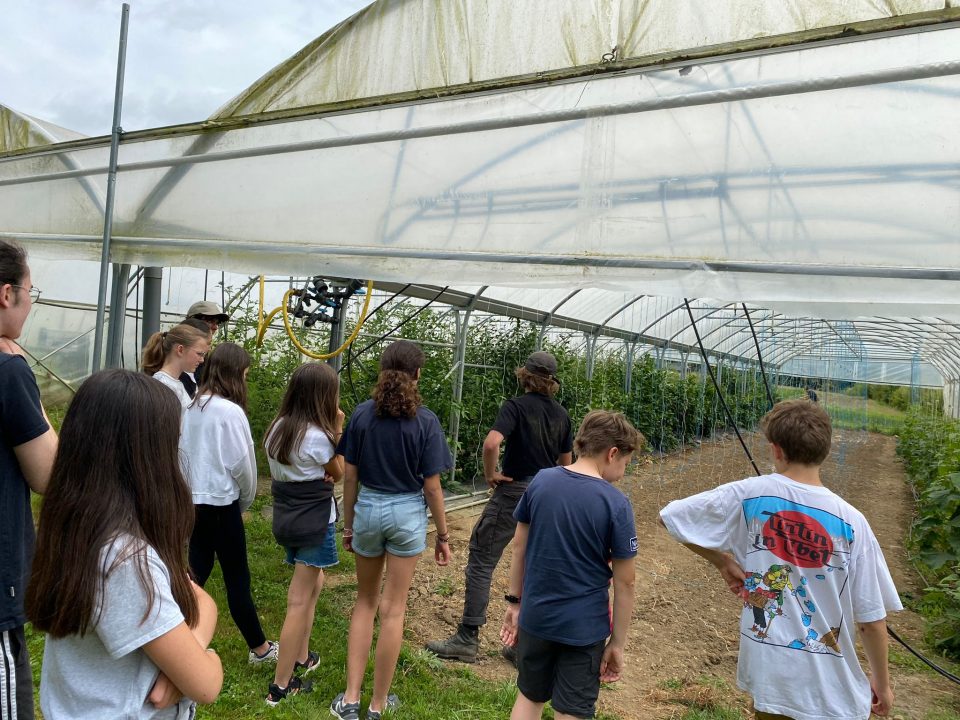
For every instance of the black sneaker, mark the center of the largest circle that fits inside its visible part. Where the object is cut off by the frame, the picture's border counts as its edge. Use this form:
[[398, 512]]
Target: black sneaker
[[309, 665], [344, 710], [509, 653], [294, 687]]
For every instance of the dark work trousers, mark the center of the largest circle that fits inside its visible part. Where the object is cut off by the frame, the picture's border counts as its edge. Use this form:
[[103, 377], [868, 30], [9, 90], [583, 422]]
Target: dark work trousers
[[218, 532], [491, 535]]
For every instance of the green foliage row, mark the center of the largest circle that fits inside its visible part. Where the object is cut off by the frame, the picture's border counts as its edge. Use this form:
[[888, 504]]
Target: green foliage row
[[668, 408], [930, 448]]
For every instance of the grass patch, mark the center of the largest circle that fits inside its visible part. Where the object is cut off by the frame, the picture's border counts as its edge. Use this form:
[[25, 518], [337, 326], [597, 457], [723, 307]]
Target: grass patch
[[427, 687], [716, 713]]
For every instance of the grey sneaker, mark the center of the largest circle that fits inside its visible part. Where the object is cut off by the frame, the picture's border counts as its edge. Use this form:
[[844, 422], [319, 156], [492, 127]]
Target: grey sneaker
[[344, 710], [393, 702], [270, 656], [463, 645], [509, 653]]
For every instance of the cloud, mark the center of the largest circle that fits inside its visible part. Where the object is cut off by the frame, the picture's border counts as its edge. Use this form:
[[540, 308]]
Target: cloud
[[185, 58]]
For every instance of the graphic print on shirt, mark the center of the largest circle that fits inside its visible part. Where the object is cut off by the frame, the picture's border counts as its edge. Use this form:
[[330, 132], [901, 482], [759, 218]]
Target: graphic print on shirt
[[810, 545]]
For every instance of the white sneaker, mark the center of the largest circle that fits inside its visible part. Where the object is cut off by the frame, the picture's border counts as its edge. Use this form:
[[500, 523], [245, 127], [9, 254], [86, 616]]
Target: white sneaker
[[270, 656]]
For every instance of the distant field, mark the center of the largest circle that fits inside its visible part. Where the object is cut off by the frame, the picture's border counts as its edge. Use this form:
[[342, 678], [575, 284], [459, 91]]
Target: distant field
[[854, 413]]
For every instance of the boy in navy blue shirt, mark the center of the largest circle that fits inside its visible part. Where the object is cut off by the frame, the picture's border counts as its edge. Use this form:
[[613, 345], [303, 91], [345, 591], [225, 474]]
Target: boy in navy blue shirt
[[571, 524]]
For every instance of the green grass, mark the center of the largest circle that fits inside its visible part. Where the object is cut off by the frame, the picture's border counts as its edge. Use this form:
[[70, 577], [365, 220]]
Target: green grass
[[426, 686], [713, 713]]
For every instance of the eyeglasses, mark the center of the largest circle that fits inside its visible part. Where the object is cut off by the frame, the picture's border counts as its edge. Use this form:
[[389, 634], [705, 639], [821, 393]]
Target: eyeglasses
[[34, 292]]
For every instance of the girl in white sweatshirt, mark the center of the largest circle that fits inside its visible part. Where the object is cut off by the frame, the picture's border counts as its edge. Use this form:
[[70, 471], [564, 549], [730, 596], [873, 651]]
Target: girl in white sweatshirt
[[216, 450]]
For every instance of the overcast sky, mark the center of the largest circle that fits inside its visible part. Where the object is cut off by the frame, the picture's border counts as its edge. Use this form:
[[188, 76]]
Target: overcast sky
[[185, 58]]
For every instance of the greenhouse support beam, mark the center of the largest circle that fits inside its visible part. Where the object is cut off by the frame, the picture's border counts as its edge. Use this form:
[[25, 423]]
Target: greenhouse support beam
[[152, 295], [695, 99], [111, 192], [118, 313], [628, 367]]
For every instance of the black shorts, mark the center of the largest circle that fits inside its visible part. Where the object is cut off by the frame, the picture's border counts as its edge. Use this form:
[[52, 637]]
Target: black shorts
[[568, 675]]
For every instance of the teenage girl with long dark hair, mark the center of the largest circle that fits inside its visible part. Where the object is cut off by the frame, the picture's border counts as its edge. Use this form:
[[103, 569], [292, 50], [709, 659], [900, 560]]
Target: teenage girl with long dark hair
[[216, 449], [110, 585], [394, 451], [301, 448], [170, 353]]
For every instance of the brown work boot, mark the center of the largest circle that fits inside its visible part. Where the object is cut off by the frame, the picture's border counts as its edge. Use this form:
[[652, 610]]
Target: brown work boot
[[463, 645]]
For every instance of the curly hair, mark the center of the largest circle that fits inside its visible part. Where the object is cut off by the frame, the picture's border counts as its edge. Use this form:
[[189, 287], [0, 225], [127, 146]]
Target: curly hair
[[531, 382], [396, 393]]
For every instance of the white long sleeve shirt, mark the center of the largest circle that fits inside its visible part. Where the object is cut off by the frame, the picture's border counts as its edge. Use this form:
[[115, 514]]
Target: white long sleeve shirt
[[216, 453]]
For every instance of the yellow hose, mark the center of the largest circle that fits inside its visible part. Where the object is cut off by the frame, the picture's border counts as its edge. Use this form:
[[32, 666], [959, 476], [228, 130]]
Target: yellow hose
[[293, 338]]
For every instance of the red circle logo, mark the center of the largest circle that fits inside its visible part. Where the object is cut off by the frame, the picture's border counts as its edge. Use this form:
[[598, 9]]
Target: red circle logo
[[797, 538]]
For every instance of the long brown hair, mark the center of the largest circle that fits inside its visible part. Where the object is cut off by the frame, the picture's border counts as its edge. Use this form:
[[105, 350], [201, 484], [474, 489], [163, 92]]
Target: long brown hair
[[161, 344], [117, 471], [223, 374], [396, 393], [312, 398]]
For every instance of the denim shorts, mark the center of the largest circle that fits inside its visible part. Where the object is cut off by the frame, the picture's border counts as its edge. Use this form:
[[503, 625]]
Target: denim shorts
[[389, 522], [319, 556]]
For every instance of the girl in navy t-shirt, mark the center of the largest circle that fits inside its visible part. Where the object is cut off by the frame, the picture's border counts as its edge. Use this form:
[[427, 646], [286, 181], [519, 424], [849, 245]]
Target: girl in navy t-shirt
[[394, 451]]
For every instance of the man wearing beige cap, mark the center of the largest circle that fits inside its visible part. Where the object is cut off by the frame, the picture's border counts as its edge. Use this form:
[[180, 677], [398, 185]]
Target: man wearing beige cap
[[538, 435], [210, 314]]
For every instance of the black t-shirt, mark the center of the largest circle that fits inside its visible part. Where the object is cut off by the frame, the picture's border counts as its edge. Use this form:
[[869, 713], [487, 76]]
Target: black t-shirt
[[21, 420], [537, 431], [394, 455]]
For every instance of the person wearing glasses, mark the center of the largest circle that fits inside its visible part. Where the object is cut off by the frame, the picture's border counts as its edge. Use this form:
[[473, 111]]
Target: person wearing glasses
[[202, 312], [26, 458]]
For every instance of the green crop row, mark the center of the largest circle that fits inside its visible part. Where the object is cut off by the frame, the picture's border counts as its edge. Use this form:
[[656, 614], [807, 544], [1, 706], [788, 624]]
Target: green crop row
[[669, 408], [930, 448]]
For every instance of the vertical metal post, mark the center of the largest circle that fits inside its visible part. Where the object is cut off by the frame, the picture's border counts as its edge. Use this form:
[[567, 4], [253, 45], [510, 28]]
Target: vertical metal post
[[337, 335], [118, 314], [152, 287], [111, 191], [591, 355], [459, 361], [628, 367], [459, 358]]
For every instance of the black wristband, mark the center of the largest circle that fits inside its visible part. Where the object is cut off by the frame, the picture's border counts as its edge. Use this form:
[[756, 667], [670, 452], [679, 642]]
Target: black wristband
[[512, 599]]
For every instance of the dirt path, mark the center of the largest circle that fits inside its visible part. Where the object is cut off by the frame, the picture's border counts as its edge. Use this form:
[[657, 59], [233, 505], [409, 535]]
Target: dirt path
[[683, 641]]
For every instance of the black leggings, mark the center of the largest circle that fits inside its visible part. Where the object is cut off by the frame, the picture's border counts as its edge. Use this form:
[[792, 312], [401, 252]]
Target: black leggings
[[218, 531]]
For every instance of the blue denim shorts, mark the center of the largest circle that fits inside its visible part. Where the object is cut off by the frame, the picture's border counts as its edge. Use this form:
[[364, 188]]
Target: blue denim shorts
[[320, 556], [389, 522]]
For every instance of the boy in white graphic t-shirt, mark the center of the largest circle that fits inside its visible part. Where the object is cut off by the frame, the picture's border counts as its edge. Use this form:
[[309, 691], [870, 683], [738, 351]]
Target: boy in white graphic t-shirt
[[808, 569]]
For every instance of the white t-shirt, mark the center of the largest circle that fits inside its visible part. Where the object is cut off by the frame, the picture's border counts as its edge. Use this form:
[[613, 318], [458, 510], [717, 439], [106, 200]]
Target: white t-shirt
[[105, 673], [814, 569], [216, 453], [174, 384], [314, 452]]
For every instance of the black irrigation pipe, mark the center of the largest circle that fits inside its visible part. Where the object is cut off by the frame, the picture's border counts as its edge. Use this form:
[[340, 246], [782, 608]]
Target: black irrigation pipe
[[716, 385], [349, 365], [763, 373], [390, 332], [946, 673]]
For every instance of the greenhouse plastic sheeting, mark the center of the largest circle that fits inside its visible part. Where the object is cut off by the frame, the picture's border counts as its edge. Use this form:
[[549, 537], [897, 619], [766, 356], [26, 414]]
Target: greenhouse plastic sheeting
[[409, 47], [819, 199]]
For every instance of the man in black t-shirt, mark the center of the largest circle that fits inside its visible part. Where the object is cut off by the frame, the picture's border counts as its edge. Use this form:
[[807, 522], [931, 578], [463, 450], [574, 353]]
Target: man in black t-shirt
[[538, 435], [26, 458]]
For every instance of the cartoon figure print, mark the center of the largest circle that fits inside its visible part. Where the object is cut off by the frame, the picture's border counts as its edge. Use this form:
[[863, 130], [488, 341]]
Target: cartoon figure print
[[812, 546], [764, 593]]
